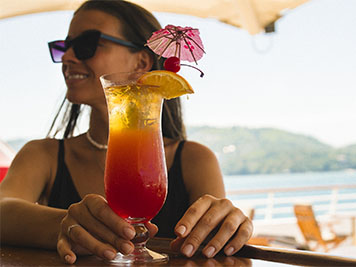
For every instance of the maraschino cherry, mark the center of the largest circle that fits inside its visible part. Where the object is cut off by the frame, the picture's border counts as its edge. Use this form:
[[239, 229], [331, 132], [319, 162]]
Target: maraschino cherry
[[172, 64]]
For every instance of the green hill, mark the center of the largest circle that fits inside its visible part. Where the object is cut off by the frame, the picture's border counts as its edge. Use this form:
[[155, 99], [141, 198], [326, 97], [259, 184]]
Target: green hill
[[265, 150]]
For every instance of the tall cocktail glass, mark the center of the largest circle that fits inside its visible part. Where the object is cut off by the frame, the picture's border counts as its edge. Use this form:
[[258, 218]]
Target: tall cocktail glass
[[135, 172]]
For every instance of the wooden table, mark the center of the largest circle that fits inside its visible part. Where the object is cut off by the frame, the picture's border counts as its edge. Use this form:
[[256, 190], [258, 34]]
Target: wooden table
[[247, 256]]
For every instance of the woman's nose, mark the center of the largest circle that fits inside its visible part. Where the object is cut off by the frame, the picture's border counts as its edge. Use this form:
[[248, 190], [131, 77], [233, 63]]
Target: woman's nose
[[69, 55]]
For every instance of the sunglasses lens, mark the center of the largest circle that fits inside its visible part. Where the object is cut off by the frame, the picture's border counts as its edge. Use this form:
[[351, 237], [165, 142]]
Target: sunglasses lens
[[57, 50], [85, 45]]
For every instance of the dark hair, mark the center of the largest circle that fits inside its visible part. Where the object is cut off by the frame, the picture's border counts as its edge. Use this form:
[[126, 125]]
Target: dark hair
[[138, 25]]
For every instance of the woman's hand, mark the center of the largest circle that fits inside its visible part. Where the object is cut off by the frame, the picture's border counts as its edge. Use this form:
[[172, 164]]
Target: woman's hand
[[234, 229], [91, 227]]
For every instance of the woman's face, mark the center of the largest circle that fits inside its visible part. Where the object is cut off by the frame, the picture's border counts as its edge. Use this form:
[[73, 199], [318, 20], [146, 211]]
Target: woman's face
[[82, 77]]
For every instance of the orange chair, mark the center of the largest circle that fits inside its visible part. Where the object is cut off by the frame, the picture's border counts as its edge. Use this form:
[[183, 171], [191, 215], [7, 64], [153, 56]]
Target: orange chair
[[311, 231], [259, 241]]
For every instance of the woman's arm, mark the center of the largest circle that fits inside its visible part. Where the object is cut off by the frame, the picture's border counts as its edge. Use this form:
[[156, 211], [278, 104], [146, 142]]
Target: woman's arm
[[23, 222], [29, 224], [211, 217], [201, 171]]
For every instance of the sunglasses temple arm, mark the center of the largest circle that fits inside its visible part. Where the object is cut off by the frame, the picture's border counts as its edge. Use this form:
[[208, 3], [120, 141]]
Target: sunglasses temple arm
[[118, 41]]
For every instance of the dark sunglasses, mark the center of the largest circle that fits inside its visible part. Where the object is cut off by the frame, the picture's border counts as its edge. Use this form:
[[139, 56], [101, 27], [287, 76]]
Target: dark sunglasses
[[84, 45]]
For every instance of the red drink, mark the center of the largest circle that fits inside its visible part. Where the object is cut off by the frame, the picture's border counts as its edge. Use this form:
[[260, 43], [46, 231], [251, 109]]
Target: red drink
[[135, 175]]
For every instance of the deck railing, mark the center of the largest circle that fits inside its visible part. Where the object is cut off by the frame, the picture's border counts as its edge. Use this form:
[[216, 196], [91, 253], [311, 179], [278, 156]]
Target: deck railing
[[271, 205]]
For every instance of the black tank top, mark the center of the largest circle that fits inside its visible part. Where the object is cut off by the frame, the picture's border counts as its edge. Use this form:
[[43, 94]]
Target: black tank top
[[177, 201], [64, 193]]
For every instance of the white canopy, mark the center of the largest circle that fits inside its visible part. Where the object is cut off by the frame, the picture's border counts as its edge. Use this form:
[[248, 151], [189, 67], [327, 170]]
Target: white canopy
[[251, 15]]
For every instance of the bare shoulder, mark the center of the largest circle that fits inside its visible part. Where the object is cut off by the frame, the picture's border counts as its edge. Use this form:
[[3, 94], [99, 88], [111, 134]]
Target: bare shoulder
[[31, 170], [201, 171], [196, 151], [45, 146], [41, 150]]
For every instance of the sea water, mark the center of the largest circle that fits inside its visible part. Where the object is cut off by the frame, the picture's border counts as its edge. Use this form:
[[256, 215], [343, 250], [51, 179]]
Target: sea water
[[291, 180], [273, 181]]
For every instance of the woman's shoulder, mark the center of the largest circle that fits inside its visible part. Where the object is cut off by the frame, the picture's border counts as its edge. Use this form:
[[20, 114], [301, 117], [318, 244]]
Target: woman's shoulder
[[34, 162], [44, 150], [196, 156], [46, 145], [194, 150]]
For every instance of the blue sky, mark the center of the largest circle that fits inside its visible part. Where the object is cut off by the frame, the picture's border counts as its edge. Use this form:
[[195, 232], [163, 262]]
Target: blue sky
[[300, 79]]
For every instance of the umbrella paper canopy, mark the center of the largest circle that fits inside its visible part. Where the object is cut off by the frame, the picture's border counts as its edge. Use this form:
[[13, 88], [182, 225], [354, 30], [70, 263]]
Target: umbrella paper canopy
[[176, 41], [251, 15]]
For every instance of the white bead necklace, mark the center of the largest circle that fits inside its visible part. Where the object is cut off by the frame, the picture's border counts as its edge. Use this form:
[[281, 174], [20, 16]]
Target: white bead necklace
[[94, 143]]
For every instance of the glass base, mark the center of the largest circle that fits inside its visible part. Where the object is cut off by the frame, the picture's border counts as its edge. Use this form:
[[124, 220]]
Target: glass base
[[140, 255]]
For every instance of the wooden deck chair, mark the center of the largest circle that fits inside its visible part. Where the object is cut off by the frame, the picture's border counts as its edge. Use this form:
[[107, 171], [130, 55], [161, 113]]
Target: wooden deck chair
[[311, 231], [259, 241]]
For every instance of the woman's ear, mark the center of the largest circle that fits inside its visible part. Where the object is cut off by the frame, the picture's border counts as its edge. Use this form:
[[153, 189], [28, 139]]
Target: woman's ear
[[144, 61]]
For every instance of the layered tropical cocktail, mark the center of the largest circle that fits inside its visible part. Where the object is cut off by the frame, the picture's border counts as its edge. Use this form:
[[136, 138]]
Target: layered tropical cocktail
[[135, 175], [135, 172]]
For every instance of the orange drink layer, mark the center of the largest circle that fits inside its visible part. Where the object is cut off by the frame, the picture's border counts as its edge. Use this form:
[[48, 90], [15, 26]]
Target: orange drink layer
[[135, 174]]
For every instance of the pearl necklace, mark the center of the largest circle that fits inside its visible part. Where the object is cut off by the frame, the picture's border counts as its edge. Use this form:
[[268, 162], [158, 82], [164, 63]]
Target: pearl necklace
[[94, 143]]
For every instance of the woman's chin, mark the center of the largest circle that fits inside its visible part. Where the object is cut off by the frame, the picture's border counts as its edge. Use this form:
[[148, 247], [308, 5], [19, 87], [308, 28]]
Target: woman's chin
[[75, 98]]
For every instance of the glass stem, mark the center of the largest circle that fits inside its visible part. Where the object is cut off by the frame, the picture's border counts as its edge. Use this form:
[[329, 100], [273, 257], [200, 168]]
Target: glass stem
[[141, 236]]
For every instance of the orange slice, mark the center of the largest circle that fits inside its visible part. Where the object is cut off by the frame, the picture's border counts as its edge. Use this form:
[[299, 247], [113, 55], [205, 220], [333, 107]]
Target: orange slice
[[170, 84]]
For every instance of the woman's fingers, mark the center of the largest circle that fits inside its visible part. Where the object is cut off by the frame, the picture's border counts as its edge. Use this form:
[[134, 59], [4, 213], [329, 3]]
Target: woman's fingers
[[152, 229], [241, 237], [226, 231], [193, 215], [205, 215], [97, 218], [100, 210], [208, 214], [91, 226], [64, 249], [78, 235], [234, 231]]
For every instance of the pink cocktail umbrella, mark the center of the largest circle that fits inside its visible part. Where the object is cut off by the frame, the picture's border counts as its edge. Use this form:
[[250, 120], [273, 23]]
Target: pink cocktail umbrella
[[176, 41]]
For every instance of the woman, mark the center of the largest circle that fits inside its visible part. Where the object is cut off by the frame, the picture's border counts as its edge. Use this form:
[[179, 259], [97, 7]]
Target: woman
[[58, 185]]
